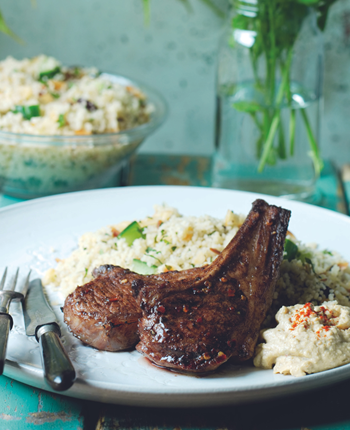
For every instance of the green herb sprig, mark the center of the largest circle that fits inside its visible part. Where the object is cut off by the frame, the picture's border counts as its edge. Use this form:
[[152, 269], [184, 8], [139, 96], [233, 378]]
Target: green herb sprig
[[4, 28], [277, 24]]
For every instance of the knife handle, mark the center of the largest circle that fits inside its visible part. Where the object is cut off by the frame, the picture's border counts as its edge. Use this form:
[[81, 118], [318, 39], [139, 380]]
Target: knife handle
[[58, 369], [5, 327]]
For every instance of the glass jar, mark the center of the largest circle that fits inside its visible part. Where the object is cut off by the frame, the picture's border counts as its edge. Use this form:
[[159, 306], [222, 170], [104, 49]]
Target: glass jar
[[269, 86]]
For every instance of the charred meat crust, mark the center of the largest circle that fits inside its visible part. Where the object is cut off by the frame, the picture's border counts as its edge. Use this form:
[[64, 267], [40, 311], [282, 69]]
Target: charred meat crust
[[103, 313], [197, 320]]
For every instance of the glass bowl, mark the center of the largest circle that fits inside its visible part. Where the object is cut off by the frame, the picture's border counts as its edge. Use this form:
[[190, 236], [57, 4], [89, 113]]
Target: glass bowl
[[35, 165]]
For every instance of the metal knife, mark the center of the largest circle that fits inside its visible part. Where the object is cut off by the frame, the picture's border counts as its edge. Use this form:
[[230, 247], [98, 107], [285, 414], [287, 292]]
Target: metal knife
[[40, 321]]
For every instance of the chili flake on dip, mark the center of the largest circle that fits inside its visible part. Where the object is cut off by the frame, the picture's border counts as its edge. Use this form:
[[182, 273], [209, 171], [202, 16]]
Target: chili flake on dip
[[308, 339]]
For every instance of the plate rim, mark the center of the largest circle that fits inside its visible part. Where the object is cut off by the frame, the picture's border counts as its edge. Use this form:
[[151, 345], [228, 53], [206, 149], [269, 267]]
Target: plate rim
[[140, 397]]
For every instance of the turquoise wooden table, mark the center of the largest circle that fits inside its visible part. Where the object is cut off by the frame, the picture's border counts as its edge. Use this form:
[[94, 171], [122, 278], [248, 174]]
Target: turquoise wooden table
[[25, 407]]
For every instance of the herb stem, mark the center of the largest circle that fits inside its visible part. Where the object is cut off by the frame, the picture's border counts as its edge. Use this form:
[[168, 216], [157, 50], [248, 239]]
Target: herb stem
[[277, 116], [272, 53], [315, 155], [214, 8], [269, 142], [256, 120], [281, 142], [146, 11], [292, 131]]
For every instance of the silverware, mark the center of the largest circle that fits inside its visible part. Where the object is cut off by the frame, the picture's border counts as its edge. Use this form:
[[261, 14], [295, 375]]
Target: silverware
[[40, 321], [6, 321]]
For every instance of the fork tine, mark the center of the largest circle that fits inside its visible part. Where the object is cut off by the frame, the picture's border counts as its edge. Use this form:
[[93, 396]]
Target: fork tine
[[13, 283], [26, 284], [3, 279]]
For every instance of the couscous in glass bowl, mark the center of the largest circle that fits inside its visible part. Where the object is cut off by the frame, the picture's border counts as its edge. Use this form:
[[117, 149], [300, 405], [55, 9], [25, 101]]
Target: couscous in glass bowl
[[36, 165]]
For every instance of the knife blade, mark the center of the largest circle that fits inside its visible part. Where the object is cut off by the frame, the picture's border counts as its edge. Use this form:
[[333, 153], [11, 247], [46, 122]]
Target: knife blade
[[40, 321]]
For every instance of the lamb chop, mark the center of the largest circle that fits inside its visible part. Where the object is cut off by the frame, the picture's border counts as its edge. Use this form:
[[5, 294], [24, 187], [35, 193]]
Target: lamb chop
[[103, 313], [196, 320], [193, 320]]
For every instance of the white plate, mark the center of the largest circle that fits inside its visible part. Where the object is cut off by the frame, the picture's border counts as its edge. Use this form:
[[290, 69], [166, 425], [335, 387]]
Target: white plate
[[30, 230]]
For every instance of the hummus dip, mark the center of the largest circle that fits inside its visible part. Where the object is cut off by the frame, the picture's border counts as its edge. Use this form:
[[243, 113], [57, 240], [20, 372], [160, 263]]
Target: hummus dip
[[308, 339]]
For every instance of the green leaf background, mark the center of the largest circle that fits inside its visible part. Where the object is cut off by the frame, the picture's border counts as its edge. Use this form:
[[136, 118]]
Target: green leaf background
[[322, 7], [4, 28]]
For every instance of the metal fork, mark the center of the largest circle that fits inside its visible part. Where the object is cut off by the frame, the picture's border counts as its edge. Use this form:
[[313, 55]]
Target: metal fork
[[6, 322]]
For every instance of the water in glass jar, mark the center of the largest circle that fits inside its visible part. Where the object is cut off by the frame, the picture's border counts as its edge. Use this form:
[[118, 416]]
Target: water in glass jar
[[240, 116]]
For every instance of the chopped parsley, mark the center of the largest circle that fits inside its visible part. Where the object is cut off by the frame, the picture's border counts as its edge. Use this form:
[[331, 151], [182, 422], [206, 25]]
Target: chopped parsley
[[76, 71], [61, 121], [149, 249], [291, 250], [27, 112], [55, 95], [152, 256], [49, 74]]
